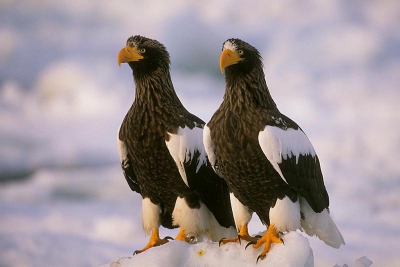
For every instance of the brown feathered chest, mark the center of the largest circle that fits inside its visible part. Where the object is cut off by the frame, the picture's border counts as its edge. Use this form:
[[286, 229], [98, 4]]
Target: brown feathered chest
[[144, 131]]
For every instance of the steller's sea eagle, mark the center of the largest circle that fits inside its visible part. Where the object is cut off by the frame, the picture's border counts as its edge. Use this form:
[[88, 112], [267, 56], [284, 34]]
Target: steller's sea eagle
[[163, 157], [267, 160]]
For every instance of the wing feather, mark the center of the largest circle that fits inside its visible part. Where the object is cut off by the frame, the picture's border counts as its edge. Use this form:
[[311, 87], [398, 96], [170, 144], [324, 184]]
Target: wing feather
[[210, 149], [292, 155], [183, 146], [125, 160], [187, 149]]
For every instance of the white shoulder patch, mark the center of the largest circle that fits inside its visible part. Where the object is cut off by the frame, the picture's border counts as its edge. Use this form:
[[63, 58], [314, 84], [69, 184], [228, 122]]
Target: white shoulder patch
[[122, 149], [183, 145], [278, 144], [209, 145]]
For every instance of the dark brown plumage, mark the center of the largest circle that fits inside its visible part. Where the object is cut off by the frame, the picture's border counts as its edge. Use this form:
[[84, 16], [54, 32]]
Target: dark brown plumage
[[156, 132], [265, 157]]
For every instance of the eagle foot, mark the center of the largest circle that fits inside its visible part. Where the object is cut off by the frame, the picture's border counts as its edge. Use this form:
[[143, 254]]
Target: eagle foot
[[260, 257], [154, 241], [271, 236], [189, 238], [224, 240], [221, 241], [242, 235], [250, 243], [247, 237]]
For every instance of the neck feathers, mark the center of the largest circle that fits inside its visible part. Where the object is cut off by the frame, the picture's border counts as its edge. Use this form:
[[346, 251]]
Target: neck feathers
[[155, 88], [248, 89]]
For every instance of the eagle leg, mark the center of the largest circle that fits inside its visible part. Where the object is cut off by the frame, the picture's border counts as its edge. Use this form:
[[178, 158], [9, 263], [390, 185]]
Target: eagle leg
[[271, 236], [242, 235], [154, 241], [182, 236]]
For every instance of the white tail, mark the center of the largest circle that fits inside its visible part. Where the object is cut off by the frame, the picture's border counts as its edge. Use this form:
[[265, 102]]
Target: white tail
[[321, 225]]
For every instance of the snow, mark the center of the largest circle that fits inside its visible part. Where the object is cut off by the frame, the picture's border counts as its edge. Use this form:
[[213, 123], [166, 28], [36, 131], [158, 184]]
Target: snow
[[363, 262], [295, 252], [360, 262], [331, 66]]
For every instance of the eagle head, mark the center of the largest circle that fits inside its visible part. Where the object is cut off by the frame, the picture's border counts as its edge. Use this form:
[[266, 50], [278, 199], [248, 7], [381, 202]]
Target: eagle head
[[239, 56], [144, 54]]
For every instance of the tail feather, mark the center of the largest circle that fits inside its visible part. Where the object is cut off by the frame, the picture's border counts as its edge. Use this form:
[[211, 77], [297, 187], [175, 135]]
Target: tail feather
[[321, 225]]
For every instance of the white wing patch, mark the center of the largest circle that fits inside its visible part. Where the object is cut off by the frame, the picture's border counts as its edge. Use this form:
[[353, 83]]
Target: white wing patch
[[210, 149], [278, 144], [183, 145], [122, 149], [209, 145]]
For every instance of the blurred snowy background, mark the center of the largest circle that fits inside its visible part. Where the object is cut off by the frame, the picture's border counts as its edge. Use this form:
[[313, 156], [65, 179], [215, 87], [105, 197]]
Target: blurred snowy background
[[332, 66]]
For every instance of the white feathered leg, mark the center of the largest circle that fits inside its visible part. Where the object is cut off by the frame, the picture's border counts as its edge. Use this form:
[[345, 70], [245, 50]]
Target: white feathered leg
[[151, 222], [242, 216]]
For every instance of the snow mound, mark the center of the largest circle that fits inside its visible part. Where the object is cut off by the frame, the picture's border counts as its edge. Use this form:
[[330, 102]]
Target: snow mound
[[363, 262], [360, 262], [295, 252]]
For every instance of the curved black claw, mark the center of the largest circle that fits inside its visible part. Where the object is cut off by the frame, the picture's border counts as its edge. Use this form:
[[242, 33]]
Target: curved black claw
[[283, 242], [239, 240], [258, 236], [135, 252], [260, 257], [250, 243], [168, 237], [220, 241]]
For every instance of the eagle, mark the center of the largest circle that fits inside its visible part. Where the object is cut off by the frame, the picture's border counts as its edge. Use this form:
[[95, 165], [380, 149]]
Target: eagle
[[162, 154], [267, 160]]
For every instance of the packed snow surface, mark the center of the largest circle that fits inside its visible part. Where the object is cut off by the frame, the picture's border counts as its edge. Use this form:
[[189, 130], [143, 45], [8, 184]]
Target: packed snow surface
[[295, 252]]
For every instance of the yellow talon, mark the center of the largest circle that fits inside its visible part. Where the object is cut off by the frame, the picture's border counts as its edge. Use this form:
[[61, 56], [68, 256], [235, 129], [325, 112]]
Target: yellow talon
[[154, 241], [182, 236], [242, 235], [271, 236]]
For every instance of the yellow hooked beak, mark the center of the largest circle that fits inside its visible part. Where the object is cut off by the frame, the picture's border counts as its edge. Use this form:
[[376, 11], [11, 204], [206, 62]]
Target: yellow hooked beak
[[128, 54], [228, 57]]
